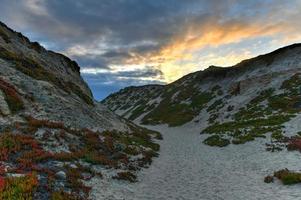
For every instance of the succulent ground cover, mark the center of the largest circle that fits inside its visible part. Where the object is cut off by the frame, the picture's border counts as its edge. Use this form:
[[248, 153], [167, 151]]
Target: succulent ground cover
[[31, 167], [286, 176], [181, 108], [264, 114]]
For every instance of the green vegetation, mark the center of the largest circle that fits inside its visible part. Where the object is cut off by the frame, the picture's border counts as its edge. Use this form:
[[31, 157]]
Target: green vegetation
[[26, 154], [288, 177], [218, 104], [216, 140], [4, 35], [178, 110], [12, 96], [61, 195], [213, 118], [127, 176], [264, 114], [137, 112], [277, 135], [200, 100], [18, 188], [172, 114]]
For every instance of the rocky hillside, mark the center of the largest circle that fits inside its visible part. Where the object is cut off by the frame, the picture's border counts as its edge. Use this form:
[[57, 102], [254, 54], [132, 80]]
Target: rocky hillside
[[54, 137], [254, 98]]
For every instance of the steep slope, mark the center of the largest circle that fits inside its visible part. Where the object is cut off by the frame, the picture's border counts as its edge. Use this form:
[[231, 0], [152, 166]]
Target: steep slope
[[234, 104], [53, 134]]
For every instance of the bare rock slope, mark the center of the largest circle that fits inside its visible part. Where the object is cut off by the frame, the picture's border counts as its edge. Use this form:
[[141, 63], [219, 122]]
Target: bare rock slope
[[53, 134]]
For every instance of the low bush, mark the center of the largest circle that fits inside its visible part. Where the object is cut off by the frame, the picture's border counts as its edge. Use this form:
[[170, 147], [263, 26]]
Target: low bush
[[8, 144], [12, 97], [62, 195], [19, 187], [288, 177], [277, 135], [127, 176], [242, 139], [216, 140], [268, 179], [294, 144]]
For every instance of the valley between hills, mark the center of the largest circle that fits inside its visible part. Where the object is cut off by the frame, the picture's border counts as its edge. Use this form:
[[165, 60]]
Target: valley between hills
[[221, 133]]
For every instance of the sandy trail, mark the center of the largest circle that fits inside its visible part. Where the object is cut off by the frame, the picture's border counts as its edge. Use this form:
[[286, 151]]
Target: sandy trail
[[189, 170]]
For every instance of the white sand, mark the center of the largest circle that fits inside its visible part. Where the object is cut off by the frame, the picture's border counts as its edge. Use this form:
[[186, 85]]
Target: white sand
[[189, 170]]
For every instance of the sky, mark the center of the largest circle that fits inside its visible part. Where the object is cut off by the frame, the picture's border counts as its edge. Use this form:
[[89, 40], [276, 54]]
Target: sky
[[119, 43]]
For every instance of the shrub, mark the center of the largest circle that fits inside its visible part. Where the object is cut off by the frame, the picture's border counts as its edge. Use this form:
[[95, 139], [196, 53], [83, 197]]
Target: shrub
[[218, 104], [12, 97], [74, 179], [173, 111], [277, 135], [242, 139], [287, 177], [127, 176], [19, 187], [216, 140], [137, 112], [294, 144], [268, 179], [61, 195], [8, 144]]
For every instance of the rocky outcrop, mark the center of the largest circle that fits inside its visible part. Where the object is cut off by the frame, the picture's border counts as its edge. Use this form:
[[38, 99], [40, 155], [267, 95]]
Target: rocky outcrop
[[53, 134]]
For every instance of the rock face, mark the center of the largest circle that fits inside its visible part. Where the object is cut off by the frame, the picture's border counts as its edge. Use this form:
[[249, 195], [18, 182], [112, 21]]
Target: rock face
[[51, 84], [52, 132], [234, 104]]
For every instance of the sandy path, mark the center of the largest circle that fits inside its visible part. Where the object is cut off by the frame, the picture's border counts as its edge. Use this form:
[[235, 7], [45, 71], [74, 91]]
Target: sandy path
[[186, 169]]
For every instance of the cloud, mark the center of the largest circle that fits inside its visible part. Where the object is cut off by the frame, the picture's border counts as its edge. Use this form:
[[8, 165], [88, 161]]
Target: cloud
[[174, 37]]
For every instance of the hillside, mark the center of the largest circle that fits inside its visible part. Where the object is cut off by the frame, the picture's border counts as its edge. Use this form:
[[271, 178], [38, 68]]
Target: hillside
[[232, 105], [54, 137]]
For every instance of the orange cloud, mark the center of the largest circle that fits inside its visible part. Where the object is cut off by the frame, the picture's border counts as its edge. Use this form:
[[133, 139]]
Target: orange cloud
[[177, 58]]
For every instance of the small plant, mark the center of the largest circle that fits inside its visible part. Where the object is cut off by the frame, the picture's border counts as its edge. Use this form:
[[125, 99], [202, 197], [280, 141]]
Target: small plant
[[268, 179], [127, 176], [288, 177], [216, 140], [12, 97], [19, 187], [8, 144], [61, 195], [277, 135], [294, 144]]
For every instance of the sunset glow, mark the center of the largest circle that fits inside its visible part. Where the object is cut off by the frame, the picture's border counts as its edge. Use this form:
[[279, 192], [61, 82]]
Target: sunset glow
[[143, 42]]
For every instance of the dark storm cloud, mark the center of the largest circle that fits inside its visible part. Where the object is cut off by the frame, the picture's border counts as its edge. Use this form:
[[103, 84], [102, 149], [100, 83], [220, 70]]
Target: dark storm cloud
[[118, 22], [131, 25]]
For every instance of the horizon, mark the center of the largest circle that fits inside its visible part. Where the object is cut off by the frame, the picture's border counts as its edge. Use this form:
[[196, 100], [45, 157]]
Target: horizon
[[132, 43]]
